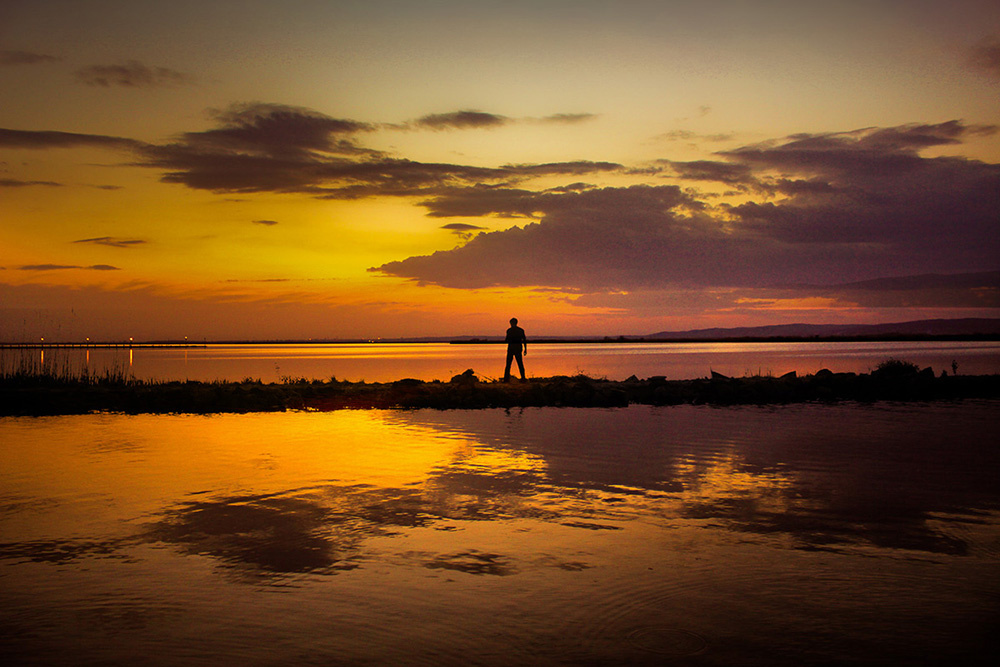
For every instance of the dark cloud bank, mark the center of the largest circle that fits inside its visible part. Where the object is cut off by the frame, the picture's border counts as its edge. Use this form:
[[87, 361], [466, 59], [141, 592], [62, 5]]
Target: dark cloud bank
[[817, 209], [822, 209], [273, 148]]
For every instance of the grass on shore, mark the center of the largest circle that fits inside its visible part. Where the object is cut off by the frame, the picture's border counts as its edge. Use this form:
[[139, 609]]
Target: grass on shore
[[31, 370]]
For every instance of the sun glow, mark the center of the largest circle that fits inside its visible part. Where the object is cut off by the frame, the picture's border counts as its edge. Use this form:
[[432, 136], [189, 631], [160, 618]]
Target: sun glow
[[429, 170]]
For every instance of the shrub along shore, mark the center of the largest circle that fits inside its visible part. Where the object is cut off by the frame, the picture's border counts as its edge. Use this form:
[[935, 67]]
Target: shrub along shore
[[891, 381]]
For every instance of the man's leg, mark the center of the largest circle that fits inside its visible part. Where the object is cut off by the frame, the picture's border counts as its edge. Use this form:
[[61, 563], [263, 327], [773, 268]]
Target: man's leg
[[520, 365], [506, 371]]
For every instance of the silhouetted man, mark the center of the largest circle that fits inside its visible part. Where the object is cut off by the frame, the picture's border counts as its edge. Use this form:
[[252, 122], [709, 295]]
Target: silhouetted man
[[516, 342]]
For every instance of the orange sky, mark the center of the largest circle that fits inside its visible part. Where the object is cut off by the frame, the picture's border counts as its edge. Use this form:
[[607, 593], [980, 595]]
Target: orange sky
[[317, 169]]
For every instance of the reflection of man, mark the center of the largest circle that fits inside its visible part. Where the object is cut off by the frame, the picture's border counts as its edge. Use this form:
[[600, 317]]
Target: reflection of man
[[516, 342]]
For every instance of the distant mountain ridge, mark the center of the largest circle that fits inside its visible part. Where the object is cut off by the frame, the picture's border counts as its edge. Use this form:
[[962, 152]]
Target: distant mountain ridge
[[956, 327]]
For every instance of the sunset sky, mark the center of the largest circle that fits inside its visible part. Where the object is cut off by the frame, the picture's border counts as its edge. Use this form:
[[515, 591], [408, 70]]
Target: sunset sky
[[330, 169]]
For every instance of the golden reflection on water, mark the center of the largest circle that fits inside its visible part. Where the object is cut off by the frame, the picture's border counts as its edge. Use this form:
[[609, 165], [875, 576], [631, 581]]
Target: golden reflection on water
[[386, 362], [836, 534], [171, 456], [729, 477]]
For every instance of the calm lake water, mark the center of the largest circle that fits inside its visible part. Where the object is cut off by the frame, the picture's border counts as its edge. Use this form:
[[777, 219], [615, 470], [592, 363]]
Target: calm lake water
[[796, 535], [379, 362]]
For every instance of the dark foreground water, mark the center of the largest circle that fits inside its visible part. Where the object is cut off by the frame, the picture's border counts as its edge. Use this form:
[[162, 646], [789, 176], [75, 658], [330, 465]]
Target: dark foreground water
[[802, 535]]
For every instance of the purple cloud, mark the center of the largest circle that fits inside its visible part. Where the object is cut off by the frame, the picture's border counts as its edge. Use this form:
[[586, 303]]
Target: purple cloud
[[277, 148], [473, 120], [856, 206], [460, 120], [131, 74], [14, 183], [25, 58], [113, 241], [50, 139], [569, 118], [985, 57], [324, 168], [63, 267], [708, 170], [815, 209], [462, 230]]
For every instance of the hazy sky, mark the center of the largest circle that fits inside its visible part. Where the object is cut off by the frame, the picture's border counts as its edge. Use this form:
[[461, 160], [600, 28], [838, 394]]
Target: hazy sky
[[223, 169]]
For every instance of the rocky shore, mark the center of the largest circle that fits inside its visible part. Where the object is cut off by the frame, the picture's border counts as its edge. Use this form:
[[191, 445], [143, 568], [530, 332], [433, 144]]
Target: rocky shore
[[893, 381]]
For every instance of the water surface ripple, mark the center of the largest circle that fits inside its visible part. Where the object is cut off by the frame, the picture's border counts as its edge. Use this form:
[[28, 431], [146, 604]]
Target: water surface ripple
[[806, 534]]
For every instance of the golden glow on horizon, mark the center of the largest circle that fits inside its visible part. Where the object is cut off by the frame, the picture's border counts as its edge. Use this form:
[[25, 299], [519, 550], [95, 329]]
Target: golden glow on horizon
[[136, 196], [809, 303]]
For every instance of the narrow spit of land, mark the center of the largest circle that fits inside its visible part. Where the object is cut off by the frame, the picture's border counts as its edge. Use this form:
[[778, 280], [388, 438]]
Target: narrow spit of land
[[892, 381]]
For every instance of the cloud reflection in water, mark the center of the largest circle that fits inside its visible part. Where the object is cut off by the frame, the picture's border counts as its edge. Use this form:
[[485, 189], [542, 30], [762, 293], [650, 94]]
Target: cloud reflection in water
[[538, 536], [819, 478], [827, 477]]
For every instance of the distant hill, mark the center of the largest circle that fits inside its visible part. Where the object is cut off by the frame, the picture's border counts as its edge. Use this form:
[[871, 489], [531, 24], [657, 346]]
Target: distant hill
[[959, 327]]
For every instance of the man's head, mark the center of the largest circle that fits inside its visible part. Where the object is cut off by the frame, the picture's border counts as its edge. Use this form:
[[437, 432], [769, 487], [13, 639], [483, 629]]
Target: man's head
[[513, 321]]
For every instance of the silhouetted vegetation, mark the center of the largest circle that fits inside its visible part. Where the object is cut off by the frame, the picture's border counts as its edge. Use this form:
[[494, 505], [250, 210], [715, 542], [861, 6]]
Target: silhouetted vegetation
[[24, 392], [33, 371], [895, 368]]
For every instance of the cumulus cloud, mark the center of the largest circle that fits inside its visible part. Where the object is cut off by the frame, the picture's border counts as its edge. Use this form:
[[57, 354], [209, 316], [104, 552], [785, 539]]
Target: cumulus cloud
[[277, 129], [813, 209], [258, 147], [113, 241], [482, 200], [859, 152], [873, 187], [64, 267], [604, 238], [275, 148], [262, 147], [854, 205], [25, 58], [131, 74], [710, 170]]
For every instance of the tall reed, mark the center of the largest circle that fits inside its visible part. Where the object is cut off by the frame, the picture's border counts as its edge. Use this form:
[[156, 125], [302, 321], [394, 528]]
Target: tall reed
[[39, 366]]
